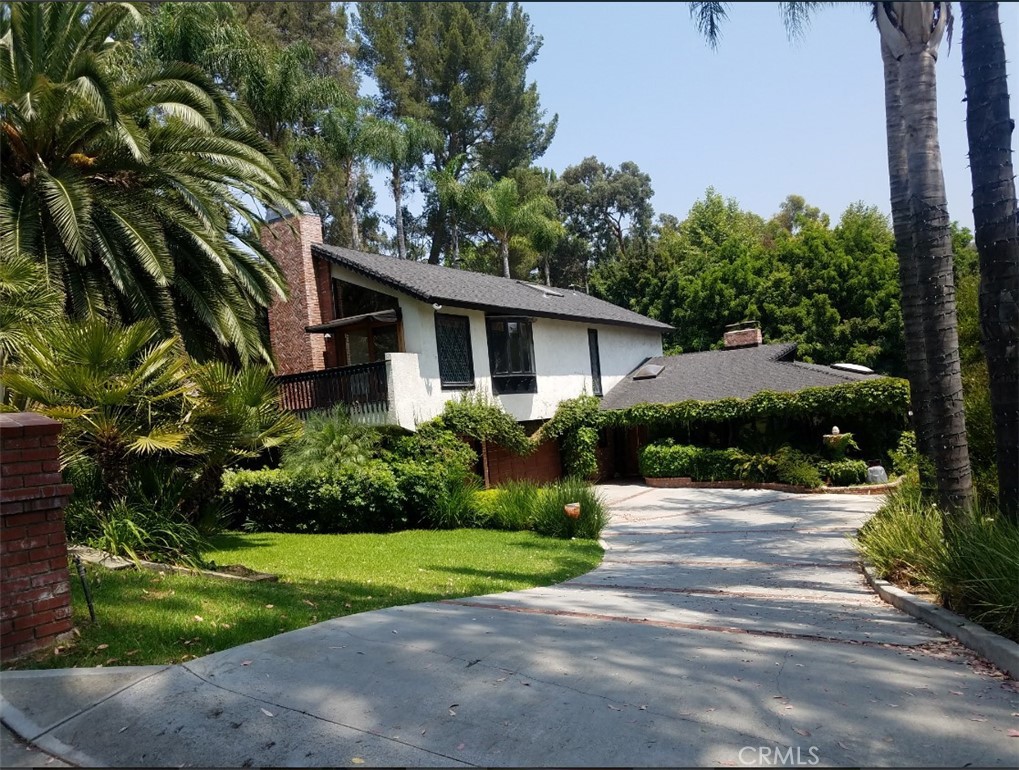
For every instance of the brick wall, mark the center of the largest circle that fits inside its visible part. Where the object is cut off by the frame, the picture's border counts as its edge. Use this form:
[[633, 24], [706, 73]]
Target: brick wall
[[35, 597], [542, 466], [289, 240]]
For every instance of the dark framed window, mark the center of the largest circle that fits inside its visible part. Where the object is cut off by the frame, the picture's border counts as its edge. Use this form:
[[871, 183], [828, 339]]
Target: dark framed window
[[511, 355], [453, 341], [592, 344]]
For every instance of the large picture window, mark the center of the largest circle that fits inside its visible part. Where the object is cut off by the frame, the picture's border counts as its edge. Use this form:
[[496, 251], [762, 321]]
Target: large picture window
[[511, 355], [453, 340]]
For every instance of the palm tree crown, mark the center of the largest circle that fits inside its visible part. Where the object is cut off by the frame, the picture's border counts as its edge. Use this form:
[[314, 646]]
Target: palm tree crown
[[135, 185]]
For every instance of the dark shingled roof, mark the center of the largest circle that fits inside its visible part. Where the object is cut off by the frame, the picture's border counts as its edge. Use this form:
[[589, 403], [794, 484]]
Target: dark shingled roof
[[733, 373], [479, 291]]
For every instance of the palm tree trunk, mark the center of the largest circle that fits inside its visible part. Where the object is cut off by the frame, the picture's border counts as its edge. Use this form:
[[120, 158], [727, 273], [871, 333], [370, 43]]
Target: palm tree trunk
[[911, 295], [351, 204], [401, 243], [933, 244], [504, 253], [455, 226], [989, 129]]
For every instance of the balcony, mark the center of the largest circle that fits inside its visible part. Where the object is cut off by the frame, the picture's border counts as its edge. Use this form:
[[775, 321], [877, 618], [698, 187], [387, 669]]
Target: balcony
[[363, 389]]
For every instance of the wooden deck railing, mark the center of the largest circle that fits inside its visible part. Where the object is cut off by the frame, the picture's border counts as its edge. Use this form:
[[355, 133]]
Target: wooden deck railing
[[361, 388]]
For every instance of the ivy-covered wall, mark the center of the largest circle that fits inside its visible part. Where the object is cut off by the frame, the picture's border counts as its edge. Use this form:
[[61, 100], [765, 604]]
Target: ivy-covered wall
[[875, 411]]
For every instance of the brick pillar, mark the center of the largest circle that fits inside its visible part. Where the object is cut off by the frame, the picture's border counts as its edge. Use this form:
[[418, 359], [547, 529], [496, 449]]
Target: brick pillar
[[289, 240], [35, 593]]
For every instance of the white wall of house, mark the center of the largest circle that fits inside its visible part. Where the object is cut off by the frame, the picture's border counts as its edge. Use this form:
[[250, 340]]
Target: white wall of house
[[561, 359]]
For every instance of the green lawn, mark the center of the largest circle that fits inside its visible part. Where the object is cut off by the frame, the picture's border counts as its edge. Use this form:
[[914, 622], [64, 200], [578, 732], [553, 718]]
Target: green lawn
[[148, 617]]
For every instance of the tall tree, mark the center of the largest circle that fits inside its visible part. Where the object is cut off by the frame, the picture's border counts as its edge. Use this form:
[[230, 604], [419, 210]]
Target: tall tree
[[508, 215], [134, 186], [995, 220], [459, 194], [604, 205], [463, 68], [399, 146], [912, 32]]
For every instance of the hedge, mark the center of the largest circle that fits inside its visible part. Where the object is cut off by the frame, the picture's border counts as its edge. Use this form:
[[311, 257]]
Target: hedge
[[361, 499], [666, 459]]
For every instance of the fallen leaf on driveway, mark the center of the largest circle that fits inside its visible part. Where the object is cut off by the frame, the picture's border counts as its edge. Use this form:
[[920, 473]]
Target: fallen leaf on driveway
[[842, 745], [245, 662], [1013, 733], [804, 733], [956, 692], [614, 708], [460, 747], [356, 761], [978, 719], [267, 712], [643, 708]]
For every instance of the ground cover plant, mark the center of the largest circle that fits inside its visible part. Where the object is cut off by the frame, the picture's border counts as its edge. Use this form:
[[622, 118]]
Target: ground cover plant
[[151, 618], [971, 565]]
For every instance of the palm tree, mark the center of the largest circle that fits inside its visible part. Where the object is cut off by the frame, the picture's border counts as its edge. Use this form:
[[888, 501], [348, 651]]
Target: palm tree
[[989, 129], [458, 196], [398, 146], [912, 32], [506, 215], [910, 35], [135, 186], [27, 302], [345, 139]]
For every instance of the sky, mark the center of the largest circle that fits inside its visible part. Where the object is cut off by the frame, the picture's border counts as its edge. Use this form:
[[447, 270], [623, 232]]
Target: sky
[[760, 118]]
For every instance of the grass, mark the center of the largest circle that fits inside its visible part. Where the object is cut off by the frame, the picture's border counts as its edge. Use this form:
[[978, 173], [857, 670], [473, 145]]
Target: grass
[[975, 571], [151, 618]]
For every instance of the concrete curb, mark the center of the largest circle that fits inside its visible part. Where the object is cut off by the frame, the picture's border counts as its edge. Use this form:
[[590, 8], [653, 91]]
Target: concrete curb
[[1002, 652], [16, 721], [684, 482]]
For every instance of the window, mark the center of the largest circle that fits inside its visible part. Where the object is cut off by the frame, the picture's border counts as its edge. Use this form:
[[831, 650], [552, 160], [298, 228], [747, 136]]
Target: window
[[511, 355], [350, 299], [453, 340], [592, 344]]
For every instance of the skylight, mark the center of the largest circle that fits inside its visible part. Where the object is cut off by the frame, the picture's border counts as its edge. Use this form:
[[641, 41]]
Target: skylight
[[853, 368], [648, 372]]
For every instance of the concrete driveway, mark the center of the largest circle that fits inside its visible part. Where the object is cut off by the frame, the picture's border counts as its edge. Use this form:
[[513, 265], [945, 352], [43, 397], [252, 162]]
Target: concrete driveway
[[725, 627]]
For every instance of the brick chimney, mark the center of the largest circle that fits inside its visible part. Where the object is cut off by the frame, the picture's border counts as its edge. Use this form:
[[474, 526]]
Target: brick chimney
[[288, 237], [742, 335]]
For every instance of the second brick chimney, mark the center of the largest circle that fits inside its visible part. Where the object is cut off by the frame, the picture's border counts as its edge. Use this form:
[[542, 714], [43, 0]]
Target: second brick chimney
[[742, 335], [289, 238]]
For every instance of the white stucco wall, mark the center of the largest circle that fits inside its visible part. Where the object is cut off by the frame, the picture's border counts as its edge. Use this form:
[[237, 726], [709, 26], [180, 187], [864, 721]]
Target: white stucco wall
[[561, 359]]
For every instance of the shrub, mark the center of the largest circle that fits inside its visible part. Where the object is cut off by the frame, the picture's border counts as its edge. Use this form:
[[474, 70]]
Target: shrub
[[904, 539], [330, 442], [476, 416], [843, 473], [794, 467], [981, 573], [362, 499], [974, 571], [665, 459], [455, 506], [717, 464], [511, 506], [575, 426], [550, 520], [904, 455]]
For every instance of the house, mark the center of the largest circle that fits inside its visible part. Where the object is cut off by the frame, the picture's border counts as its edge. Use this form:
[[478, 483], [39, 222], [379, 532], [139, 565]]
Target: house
[[744, 366], [395, 340]]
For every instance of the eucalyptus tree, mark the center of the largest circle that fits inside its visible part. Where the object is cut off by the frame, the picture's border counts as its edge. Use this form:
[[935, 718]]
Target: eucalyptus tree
[[135, 186], [996, 220], [399, 145], [506, 215]]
